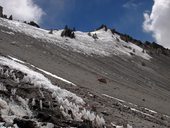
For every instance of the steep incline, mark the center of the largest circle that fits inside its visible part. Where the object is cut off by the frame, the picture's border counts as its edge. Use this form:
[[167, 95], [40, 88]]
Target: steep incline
[[105, 44], [131, 74]]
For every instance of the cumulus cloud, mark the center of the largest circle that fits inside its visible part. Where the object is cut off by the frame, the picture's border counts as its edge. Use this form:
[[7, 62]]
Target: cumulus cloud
[[25, 10], [157, 22]]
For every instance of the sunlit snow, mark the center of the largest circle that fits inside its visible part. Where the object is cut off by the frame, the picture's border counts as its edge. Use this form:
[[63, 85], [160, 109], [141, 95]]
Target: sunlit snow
[[107, 44]]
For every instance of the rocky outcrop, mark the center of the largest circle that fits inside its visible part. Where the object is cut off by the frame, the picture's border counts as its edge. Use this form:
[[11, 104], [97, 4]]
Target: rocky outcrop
[[34, 24]]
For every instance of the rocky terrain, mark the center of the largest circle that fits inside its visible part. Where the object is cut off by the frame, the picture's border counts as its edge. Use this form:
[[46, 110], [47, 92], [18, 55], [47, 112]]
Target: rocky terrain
[[119, 83]]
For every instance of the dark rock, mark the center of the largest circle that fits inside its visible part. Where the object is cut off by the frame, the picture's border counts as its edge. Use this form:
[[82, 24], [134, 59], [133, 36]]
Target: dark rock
[[34, 24], [102, 80], [23, 123], [19, 74], [1, 119], [51, 31], [11, 17], [162, 118], [5, 68], [105, 113], [132, 54], [5, 16], [46, 104], [95, 36], [93, 108], [143, 64], [86, 124], [45, 117]]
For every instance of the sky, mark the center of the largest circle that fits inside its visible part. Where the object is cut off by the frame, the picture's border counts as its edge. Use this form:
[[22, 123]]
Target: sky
[[125, 16], [142, 19]]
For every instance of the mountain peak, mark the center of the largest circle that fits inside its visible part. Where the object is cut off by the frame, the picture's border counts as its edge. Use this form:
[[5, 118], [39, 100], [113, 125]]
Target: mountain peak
[[104, 27]]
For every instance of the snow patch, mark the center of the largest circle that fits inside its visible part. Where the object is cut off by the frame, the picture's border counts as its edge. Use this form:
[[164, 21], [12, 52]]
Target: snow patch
[[17, 60], [113, 98], [133, 109], [152, 111], [117, 126]]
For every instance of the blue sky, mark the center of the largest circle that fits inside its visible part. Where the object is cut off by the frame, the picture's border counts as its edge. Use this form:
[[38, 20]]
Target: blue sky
[[126, 16]]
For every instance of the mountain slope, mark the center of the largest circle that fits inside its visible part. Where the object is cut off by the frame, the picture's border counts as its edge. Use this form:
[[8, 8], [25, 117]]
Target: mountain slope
[[106, 43], [132, 75]]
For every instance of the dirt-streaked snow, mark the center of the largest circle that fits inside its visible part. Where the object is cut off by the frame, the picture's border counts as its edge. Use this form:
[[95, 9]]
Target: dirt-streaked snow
[[66, 99], [107, 43]]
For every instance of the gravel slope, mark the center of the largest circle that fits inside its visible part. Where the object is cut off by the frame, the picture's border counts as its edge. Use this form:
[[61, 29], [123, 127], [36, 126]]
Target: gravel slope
[[147, 86]]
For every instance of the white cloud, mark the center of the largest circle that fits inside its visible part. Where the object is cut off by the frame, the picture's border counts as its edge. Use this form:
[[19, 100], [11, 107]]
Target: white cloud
[[157, 22], [25, 10]]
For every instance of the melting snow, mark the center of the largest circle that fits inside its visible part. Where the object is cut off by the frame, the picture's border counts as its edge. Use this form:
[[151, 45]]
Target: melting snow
[[107, 43], [17, 60], [133, 109], [113, 98], [152, 111], [66, 99], [37, 79]]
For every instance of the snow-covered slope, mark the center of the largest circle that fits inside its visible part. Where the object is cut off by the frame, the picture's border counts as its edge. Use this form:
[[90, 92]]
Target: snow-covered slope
[[107, 44], [17, 106], [132, 82]]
